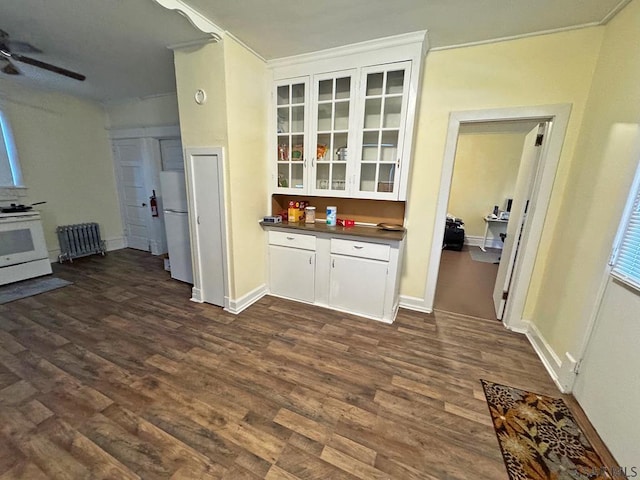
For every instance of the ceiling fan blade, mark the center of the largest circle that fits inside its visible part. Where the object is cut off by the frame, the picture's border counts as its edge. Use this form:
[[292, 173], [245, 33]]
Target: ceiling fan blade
[[9, 68], [48, 66]]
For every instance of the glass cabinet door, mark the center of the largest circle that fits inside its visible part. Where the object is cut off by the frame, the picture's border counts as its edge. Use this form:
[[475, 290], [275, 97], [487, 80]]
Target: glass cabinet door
[[385, 95], [291, 103], [333, 96]]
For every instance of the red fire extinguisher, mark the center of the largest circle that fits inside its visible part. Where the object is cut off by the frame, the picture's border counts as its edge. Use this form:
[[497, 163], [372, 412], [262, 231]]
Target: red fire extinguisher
[[153, 201]]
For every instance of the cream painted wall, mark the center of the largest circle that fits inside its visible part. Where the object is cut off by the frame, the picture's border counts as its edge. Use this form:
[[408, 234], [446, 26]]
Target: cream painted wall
[[202, 68], [548, 69], [143, 112], [65, 156], [234, 117], [205, 125], [248, 92], [484, 175], [605, 162], [600, 177]]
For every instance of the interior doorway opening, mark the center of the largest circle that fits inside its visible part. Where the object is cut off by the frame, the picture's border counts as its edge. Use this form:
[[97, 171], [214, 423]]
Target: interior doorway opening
[[556, 118], [485, 172]]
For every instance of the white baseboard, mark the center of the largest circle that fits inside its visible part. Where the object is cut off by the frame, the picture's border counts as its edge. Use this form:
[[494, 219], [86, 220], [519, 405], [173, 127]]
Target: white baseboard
[[113, 243], [474, 241], [196, 295], [238, 305], [414, 303], [549, 358]]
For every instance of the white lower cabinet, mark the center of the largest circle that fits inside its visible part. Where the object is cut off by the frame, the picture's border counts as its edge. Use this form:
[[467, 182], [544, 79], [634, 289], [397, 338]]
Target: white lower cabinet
[[358, 285], [347, 274], [292, 266]]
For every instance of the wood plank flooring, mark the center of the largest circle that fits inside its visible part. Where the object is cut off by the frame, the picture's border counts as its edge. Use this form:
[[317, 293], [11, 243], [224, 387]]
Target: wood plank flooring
[[121, 376]]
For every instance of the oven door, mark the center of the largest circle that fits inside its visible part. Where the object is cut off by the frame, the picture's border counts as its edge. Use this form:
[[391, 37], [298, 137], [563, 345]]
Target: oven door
[[21, 240]]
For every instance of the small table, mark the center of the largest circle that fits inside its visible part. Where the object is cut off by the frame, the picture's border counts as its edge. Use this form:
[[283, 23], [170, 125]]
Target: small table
[[488, 221]]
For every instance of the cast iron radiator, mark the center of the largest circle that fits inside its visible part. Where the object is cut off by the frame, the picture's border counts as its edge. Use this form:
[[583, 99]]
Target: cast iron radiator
[[79, 240]]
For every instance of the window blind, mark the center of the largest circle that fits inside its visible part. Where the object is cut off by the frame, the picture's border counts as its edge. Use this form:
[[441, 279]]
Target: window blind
[[10, 174], [626, 255], [6, 176]]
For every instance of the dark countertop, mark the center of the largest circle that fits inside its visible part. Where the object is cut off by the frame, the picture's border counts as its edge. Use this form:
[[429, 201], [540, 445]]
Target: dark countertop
[[357, 231]]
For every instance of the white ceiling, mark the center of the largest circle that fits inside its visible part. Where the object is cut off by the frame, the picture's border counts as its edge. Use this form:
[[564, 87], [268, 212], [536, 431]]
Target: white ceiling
[[120, 45]]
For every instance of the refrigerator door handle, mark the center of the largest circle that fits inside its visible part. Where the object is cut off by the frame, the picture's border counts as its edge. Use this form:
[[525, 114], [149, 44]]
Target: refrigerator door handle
[[168, 210]]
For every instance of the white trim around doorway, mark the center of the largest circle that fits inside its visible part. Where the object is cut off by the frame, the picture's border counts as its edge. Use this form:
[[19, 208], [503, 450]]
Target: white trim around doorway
[[558, 117]]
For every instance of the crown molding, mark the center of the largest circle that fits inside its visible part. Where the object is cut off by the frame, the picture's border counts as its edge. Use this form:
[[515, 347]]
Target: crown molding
[[355, 48], [517, 37], [197, 19], [614, 11]]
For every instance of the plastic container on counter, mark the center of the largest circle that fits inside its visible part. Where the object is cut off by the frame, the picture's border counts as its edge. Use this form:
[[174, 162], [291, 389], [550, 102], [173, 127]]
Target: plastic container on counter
[[310, 214]]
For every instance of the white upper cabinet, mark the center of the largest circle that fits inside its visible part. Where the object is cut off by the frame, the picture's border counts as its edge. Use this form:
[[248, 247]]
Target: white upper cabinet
[[344, 119], [379, 153], [332, 132], [292, 127]]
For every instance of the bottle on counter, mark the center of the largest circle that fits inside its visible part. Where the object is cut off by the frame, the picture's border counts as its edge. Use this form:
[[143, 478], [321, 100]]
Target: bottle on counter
[[332, 216]]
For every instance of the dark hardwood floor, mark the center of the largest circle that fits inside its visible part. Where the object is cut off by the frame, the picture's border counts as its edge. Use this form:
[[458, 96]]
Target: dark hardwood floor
[[120, 376]]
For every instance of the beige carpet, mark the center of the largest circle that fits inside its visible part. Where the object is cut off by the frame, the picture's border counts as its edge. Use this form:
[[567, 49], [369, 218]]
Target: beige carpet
[[465, 286]]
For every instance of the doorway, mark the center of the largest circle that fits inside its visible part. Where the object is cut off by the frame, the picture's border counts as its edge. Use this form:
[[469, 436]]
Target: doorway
[[487, 161], [135, 189], [557, 118], [139, 155]]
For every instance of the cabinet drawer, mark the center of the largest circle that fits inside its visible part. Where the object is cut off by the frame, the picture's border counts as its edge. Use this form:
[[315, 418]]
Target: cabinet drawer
[[375, 251], [294, 240]]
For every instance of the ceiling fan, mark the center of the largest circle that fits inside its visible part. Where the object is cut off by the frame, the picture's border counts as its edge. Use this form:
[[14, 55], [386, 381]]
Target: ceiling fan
[[8, 56]]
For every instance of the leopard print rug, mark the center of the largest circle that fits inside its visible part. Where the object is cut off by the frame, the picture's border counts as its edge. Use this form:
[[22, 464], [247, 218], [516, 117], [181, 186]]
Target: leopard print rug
[[540, 439]]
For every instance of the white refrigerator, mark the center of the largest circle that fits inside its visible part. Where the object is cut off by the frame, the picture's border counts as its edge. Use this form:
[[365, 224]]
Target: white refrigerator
[[176, 224]]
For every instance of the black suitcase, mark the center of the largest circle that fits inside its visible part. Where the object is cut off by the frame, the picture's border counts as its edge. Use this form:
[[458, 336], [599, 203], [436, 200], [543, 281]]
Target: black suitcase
[[453, 235]]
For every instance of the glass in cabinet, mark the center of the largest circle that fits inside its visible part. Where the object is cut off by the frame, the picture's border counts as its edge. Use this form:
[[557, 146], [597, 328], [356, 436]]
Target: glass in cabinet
[[292, 127], [332, 103], [382, 115]]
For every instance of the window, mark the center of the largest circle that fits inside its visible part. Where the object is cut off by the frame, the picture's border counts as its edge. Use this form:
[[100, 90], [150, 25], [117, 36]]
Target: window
[[626, 254], [10, 175]]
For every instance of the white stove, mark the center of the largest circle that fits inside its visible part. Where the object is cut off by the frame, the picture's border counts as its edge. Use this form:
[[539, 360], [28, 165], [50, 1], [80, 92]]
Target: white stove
[[23, 251]]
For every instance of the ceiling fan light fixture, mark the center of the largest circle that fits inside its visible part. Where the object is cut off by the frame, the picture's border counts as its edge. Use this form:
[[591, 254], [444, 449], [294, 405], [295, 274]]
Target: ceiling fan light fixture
[[10, 69]]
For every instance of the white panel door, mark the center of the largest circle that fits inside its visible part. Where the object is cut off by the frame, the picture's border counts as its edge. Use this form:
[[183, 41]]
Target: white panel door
[[207, 221], [134, 195], [519, 209], [358, 285]]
